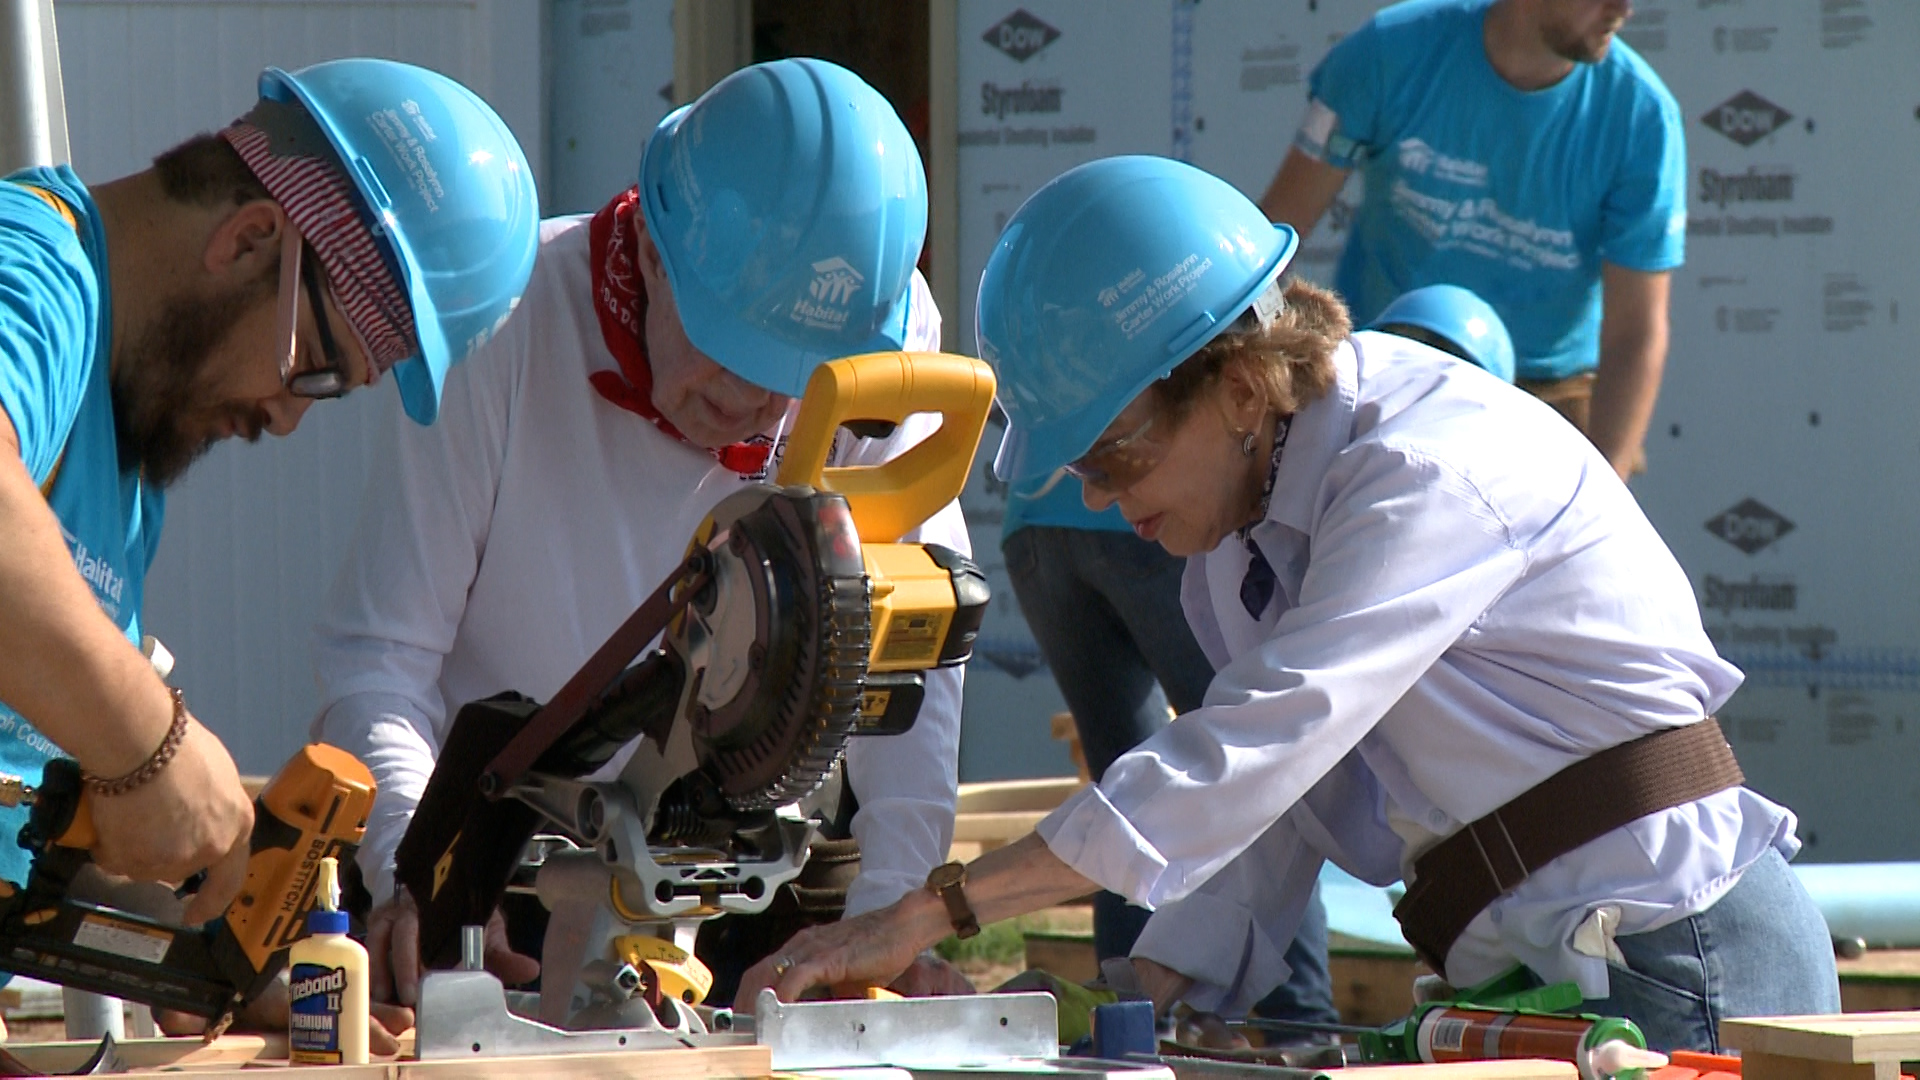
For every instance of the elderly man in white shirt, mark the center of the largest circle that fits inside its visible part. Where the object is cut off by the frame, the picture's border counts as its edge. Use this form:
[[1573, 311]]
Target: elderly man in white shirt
[[1450, 647], [652, 368]]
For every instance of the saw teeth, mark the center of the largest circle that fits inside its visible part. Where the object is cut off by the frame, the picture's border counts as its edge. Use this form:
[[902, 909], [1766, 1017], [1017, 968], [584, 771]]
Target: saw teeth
[[845, 636]]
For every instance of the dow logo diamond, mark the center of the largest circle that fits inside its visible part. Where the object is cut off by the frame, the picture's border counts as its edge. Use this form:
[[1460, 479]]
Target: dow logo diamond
[[1746, 118], [1750, 525], [1020, 35]]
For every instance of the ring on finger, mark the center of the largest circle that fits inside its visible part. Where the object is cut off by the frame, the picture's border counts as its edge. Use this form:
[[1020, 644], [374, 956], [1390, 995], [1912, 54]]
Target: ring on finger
[[782, 966]]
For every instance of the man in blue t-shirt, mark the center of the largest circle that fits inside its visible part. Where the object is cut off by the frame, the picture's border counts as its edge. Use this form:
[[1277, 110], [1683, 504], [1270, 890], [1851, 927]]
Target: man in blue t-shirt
[[215, 294], [1512, 147]]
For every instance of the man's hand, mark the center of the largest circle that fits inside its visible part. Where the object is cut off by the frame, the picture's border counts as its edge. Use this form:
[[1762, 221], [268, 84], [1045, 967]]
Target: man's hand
[[268, 1014], [930, 976], [192, 816], [393, 952], [1161, 983]]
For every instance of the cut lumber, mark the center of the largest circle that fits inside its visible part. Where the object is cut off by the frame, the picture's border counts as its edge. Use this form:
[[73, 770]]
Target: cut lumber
[[1849, 1038]]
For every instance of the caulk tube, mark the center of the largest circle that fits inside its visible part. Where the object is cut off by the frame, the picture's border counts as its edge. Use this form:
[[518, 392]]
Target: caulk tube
[[327, 984], [1603, 1048]]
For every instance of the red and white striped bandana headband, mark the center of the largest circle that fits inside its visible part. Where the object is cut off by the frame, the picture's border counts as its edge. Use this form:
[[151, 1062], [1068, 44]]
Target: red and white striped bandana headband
[[321, 203]]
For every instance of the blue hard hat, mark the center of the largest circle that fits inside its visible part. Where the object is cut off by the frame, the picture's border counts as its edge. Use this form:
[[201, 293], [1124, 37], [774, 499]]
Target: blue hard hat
[[452, 201], [1458, 317], [788, 204], [1105, 280]]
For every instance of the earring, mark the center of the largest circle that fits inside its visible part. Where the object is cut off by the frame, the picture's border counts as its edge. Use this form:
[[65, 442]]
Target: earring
[[1246, 445]]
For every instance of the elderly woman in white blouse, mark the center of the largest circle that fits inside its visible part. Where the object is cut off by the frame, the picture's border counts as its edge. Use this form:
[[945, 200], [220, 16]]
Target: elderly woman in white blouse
[[1451, 649]]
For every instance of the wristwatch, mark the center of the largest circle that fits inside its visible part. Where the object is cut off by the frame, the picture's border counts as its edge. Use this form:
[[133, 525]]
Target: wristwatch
[[948, 881]]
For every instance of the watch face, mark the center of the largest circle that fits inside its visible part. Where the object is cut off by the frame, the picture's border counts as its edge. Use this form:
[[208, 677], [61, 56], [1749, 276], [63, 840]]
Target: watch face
[[946, 876]]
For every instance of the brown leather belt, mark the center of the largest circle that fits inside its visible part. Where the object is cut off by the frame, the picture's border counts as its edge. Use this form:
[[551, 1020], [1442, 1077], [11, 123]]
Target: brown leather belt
[[1457, 878]]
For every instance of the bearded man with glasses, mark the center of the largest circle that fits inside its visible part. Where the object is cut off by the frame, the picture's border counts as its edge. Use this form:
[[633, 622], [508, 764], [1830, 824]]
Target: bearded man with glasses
[[365, 216]]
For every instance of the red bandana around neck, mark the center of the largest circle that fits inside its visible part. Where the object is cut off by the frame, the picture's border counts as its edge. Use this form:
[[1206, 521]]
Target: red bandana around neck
[[620, 300]]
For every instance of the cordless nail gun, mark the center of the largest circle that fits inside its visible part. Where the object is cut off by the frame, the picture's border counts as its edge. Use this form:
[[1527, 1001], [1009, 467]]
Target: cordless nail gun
[[314, 807]]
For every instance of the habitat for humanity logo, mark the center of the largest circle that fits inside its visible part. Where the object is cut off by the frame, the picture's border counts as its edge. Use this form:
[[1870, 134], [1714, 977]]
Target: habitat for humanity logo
[[831, 290], [1749, 526], [1418, 157], [1746, 118], [1020, 35]]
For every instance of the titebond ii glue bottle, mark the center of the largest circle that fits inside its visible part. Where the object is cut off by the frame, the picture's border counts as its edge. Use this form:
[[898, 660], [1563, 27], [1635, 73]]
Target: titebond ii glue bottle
[[328, 1023]]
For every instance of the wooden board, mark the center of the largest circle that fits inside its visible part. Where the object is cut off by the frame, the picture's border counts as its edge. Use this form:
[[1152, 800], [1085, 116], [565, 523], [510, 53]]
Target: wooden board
[[705, 1063], [1758, 1066], [1042, 794], [1853, 1038], [227, 1052], [995, 826], [1466, 1070]]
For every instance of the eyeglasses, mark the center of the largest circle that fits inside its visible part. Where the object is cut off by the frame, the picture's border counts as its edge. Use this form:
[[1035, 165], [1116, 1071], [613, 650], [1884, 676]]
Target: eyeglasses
[[297, 264], [1121, 462]]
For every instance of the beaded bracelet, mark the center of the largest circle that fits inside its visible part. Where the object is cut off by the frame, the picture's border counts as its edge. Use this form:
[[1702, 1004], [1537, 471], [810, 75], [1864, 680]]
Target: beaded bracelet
[[150, 768]]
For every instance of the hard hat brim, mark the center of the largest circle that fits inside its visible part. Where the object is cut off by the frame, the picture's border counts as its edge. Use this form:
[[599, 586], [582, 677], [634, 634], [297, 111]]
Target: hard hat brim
[[421, 377], [1034, 452]]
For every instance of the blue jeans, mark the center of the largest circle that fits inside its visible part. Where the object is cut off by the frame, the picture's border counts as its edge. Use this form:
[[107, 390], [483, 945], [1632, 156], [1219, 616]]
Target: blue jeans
[[1104, 607], [1762, 949]]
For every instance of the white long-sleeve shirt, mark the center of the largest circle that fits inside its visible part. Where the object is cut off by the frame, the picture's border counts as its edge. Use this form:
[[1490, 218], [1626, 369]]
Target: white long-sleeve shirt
[[503, 544], [1468, 600]]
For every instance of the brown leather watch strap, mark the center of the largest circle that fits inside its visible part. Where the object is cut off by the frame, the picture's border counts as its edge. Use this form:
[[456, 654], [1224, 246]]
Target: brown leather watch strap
[[948, 881]]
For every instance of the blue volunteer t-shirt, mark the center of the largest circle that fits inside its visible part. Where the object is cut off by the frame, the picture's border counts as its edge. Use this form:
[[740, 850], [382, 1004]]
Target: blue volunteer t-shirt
[[1519, 196], [55, 332], [1060, 506]]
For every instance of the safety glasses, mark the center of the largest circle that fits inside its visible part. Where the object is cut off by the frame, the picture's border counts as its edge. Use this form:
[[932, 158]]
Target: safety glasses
[[1118, 463], [297, 265]]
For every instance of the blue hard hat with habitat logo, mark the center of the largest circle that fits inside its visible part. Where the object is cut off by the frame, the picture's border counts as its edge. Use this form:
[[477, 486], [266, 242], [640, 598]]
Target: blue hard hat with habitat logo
[[450, 198], [1105, 280], [788, 205], [1465, 325]]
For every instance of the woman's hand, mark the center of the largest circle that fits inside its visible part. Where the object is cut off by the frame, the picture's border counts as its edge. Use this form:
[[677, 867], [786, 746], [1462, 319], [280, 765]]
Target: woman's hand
[[930, 976], [874, 949], [1161, 983]]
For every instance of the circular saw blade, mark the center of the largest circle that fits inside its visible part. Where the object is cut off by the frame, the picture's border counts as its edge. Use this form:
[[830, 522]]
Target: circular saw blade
[[779, 641]]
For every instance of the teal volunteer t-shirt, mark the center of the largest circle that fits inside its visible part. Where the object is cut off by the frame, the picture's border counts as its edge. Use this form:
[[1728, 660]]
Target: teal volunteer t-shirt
[[1517, 195], [55, 333]]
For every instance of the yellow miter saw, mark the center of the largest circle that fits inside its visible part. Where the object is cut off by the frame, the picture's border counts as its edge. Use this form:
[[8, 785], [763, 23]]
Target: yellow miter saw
[[798, 620]]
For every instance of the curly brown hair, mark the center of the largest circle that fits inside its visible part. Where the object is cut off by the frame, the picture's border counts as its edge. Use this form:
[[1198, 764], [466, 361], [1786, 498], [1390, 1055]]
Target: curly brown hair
[[1291, 358]]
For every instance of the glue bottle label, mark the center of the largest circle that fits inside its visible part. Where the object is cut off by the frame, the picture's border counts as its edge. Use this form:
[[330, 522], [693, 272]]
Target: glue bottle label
[[317, 993]]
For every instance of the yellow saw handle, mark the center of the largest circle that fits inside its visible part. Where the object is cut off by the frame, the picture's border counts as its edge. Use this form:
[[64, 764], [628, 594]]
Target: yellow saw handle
[[891, 499]]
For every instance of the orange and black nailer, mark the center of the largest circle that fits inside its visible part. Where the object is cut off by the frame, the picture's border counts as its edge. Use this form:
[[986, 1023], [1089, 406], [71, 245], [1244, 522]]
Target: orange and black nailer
[[314, 807]]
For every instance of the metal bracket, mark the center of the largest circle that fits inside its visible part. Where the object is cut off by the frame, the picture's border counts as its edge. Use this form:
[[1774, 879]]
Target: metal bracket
[[944, 1032], [463, 1014]]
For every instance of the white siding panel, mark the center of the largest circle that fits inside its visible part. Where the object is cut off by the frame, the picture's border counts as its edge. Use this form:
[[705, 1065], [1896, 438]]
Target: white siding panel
[[254, 534]]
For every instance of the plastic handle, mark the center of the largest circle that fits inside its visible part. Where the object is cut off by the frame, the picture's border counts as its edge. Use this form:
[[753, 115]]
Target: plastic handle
[[891, 499], [80, 833]]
